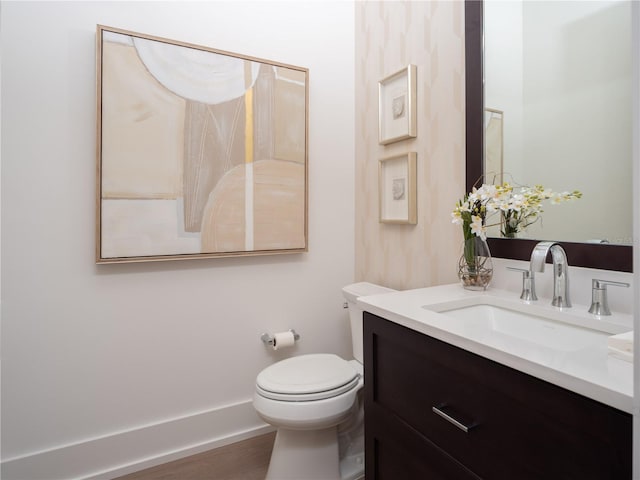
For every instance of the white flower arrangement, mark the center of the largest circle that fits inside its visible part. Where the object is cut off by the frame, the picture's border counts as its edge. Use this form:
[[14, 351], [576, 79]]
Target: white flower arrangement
[[519, 207]]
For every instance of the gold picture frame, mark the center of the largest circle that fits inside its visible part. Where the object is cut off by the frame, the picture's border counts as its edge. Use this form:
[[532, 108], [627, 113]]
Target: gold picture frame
[[201, 153], [397, 106], [493, 146], [397, 189]]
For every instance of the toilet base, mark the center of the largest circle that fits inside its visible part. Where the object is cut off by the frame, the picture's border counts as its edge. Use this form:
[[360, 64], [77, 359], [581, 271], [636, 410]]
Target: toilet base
[[305, 455], [352, 467]]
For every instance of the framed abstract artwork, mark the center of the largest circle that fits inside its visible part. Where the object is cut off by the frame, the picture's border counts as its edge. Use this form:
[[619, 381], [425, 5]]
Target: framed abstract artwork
[[397, 106], [200, 153], [397, 189]]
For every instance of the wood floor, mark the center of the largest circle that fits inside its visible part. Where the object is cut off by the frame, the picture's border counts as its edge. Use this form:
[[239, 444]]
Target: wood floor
[[246, 460]]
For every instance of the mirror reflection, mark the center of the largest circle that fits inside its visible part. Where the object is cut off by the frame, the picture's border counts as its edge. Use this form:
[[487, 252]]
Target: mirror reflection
[[557, 96]]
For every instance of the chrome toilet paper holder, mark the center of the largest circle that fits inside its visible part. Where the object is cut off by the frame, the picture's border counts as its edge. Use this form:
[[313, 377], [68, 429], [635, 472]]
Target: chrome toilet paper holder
[[268, 339]]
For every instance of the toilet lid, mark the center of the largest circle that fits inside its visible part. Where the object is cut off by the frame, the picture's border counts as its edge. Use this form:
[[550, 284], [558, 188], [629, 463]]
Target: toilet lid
[[308, 374]]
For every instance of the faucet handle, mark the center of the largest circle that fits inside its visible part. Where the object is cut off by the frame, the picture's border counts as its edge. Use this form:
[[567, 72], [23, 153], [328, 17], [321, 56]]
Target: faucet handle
[[528, 284], [599, 300]]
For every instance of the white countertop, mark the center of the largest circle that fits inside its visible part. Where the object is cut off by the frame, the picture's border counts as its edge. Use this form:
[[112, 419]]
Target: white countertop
[[590, 371]]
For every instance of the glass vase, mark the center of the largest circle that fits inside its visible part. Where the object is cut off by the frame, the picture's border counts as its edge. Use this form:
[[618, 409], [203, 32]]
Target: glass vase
[[510, 224], [475, 268]]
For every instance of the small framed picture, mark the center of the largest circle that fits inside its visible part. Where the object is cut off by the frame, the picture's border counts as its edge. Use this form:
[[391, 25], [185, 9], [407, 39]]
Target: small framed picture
[[493, 145], [397, 189], [397, 106]]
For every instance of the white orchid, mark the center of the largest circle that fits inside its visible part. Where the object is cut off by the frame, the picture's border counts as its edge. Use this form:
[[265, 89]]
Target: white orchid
[[519, 207], [525, 207], [477, 227]]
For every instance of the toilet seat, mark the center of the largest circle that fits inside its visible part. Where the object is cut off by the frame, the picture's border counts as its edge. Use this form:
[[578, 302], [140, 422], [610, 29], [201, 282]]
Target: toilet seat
[[307, 397], [307, 378]]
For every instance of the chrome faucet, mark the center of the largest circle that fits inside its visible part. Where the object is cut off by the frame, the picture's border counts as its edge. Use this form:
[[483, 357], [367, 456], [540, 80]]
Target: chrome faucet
[[560, 270]]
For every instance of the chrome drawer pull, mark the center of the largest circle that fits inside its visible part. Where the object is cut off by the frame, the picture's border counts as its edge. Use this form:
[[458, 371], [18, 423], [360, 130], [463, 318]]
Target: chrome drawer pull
[[450, 419]]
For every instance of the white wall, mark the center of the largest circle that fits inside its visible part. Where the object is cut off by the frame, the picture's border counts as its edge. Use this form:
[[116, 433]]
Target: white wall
[[105, 365], [635, 15]]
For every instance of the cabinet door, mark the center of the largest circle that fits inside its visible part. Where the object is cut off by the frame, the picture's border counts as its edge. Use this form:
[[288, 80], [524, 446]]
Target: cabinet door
[[519, 426]]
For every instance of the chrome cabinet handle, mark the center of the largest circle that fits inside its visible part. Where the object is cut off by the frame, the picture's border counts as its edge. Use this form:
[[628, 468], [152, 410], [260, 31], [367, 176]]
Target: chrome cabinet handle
[[450, 419]]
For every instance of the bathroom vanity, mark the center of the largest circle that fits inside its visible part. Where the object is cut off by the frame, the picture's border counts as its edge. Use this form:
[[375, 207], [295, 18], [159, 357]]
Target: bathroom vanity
[[444, 399]]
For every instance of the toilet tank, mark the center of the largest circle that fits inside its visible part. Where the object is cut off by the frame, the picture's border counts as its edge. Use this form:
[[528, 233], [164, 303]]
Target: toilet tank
[[351, 293]]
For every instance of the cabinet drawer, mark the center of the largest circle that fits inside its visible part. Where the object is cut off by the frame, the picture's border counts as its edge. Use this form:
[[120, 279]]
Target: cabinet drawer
[[397, 451], [518, 426]]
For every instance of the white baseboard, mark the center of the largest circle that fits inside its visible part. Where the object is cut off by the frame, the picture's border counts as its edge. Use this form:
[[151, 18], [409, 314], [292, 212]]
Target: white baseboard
[[128, 451]]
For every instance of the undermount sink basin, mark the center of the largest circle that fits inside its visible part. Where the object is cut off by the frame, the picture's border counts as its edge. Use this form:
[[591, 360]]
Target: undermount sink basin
[[529, 328], [547, 332]]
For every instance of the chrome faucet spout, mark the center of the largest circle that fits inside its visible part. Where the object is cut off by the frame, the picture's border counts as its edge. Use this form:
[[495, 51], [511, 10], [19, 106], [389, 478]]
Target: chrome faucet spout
[[539, 256], [561, 297]]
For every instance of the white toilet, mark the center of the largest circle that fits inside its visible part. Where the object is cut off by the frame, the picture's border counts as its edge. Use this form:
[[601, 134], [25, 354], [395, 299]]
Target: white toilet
[[315, 403]]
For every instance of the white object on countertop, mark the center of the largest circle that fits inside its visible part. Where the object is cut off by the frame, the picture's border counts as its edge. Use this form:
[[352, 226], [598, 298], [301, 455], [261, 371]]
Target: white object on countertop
[[621, 346]]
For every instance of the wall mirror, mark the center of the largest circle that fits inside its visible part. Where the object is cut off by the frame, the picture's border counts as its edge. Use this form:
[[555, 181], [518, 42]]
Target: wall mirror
[[533, 107]]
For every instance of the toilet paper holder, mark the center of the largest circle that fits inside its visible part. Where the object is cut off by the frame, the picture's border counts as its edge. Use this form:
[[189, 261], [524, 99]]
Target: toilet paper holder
[[268, 339]]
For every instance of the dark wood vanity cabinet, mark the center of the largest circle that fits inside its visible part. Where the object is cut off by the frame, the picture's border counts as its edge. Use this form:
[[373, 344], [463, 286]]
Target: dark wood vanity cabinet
[[517, 426]]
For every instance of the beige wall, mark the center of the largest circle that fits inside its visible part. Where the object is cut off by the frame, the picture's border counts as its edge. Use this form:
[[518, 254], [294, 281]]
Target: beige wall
[[390, 35]]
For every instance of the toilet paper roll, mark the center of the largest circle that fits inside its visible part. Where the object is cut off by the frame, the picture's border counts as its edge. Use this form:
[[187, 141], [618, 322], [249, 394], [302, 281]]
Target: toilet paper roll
[[283, 340]]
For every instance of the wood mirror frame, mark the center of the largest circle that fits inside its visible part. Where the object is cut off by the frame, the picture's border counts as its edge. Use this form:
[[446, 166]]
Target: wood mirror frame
[[601, 256]]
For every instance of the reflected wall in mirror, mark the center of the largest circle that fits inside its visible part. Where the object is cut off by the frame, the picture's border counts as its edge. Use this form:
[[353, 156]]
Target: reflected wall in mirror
[[562, 72], [561, 79]]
